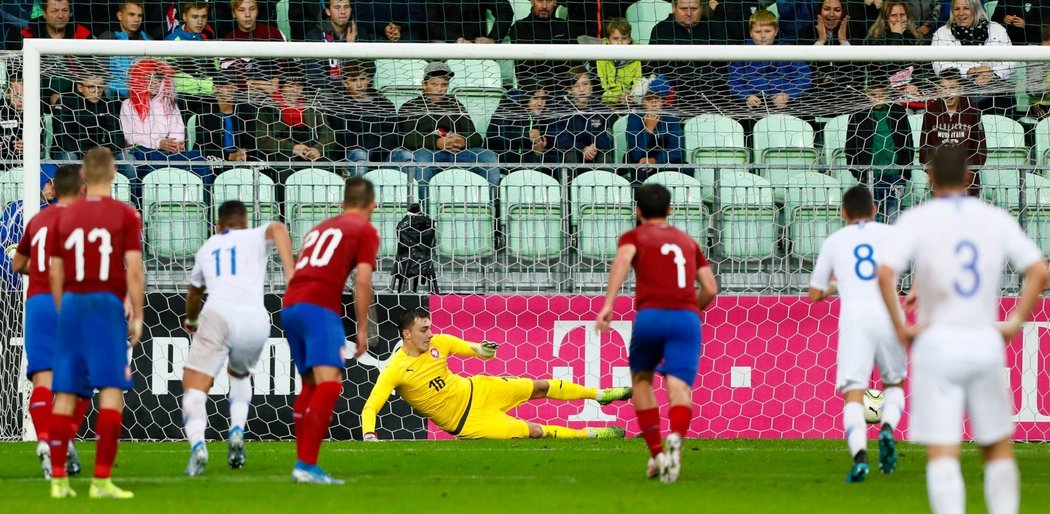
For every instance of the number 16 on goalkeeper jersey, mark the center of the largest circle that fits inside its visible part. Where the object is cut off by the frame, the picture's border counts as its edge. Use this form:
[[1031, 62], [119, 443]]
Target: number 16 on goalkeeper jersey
[[312, 317]]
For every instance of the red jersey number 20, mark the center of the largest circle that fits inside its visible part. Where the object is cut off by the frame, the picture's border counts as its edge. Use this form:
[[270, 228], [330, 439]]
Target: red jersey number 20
[[323, 245]]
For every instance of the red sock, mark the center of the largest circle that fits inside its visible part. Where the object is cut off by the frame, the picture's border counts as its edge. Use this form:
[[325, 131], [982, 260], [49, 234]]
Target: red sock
[[302, 404], [40, 410], [680, 416], [649, 422], [108, 427], [83, 405], [318, 417], [61, 432]]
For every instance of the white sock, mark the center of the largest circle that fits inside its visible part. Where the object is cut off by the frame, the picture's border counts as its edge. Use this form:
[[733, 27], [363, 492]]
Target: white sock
[[1002, 491], [892, 406], [240, 398], [856, 429], [195, 415], [944, 484]]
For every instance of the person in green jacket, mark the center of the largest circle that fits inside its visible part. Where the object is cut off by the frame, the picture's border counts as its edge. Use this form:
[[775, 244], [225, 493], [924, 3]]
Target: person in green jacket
[[618, 77]]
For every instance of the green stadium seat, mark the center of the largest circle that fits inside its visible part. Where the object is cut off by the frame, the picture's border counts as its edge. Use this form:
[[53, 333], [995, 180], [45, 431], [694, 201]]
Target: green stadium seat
[[917, 190], [479, 87], [710, 140], [644, 16], [240, 184], [619, 131], [47, 123], [1037, 197], [687, 203], [191, 132], [915, 121], [748, 230], [532, 214], [174, 213], [1042, 142], [1007, 155], [11, 185], [835, 150], [284, 23], [121, 188], [311, 196], [391, 188], [602, 209], [782, 139], [460, 203], [811, 212], [400, 80]]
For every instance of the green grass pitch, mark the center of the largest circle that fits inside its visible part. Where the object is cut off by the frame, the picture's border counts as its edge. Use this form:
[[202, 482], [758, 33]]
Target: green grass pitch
[[535, 477]]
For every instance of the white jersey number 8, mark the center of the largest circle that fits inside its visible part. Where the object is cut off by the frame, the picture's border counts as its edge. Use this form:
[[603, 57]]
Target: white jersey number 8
[[679, 260], [326, 243]]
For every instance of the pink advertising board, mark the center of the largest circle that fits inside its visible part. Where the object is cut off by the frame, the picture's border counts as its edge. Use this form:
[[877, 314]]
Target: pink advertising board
[[767, 369]]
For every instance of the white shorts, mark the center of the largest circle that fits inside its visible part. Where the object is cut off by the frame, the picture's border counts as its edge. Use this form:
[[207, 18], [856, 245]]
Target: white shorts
[[862, 343], [237, 334], [957, 371]]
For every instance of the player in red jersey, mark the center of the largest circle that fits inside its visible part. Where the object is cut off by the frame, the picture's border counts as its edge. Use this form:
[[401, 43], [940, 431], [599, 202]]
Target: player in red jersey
[[97, 263], [667, 265], [33, 258], [312, 317]]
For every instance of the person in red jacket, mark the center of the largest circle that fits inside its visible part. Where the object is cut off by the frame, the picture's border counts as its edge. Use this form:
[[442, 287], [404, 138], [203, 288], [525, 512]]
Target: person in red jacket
[[954, 121]]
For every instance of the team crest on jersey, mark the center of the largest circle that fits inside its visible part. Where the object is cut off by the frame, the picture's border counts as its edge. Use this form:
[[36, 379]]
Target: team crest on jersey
[[435, 353]]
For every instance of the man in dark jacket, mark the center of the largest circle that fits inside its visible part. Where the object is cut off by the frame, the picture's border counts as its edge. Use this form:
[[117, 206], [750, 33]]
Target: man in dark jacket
[[364, 123], [222, 125], [327, 74], [391, 21], [521, 130], [85, 119], [541, 27], [879, 145], [55, 25], [463, 21], [1023, 20], [699, 86]]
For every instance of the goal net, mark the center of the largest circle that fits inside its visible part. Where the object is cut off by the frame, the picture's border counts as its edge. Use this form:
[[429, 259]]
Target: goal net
[[523, 168]]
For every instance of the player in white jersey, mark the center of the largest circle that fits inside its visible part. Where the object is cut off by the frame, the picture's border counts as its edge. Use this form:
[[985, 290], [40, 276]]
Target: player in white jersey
[[233, 325], [957, 247], [866, 335]]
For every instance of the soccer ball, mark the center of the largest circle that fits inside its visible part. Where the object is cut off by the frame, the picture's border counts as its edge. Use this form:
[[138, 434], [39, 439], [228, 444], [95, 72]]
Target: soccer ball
[[872, 405]]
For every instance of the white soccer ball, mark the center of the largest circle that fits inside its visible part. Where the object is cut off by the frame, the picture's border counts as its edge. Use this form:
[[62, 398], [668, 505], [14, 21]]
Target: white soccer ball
[[873, 405]]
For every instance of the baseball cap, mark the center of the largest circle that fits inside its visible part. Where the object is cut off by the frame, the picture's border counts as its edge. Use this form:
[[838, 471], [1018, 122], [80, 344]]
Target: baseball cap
[[658, 86], [437, 69]]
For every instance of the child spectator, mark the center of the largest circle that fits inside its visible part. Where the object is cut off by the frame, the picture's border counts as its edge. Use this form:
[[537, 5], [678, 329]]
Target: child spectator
[[195, 25], [879, 145], [583, 130], [618, 77], [291, 130], [654, 137], [129, 17], [765, 84], [222, 124], [520, 128]]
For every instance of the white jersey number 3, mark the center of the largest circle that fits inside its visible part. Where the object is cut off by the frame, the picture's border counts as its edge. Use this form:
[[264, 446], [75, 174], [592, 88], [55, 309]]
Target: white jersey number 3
[[75, 242], [679, 260], [324, 245]]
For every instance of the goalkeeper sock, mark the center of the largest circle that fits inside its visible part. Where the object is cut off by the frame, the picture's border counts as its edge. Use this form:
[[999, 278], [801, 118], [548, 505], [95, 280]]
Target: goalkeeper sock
[[302, 404], [195, 415], [108, 427], [40, 411], [649, 422], [79, 412], [61, 432], [680, 416], [892, 406], [854, 425], [944, 484], [1002, 491], [318, 417], [240, 398], [556, 432], [565, 390]]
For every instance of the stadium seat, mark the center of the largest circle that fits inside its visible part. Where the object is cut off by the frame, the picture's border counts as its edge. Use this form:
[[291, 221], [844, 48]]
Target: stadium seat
[[687, 203], [239, 184], [391, 188], [121, 188], [644, 16], [191, 132], [917, 190], [460, 204], [1042, 142], [619, 131], [602, 209], [748, 230], [835, 131], [11, 185], [284, 23], [47, 123], [400, 80], [479, 87], [311, 196], [915, 121], [711, 139], [1007, 155], [532, 211], [1037, 197], [174, 213], [811, 212], [782, 139]]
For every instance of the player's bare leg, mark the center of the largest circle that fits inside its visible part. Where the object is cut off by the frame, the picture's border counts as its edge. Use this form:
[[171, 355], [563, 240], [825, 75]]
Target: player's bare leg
[[648, 413], [680, 394], [1002, 479], [40, 404], [856, 434], [892, 408], [564, 390], [313, 410], [240, 400], [944, 480], [108, 428], [195, 386]]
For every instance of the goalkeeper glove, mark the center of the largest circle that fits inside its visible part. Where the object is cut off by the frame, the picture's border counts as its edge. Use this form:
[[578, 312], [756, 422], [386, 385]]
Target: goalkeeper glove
[[485, 350], [371, 437], [11, 250]]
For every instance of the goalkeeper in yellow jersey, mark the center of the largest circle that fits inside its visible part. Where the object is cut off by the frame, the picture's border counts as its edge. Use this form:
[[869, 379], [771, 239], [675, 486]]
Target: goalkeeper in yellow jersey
[[470, 407]]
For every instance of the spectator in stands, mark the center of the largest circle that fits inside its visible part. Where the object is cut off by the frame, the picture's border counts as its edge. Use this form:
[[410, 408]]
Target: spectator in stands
[[654, 137], [699, 86], [223, 125], [734, 15], [15, 14], [583, 128], [953, 120], [879, 147], [542, 27], [521, 131], [12, 226], [795, 16], [193, 74], [895, 26], [618, 77], [129, 17], [464, 21], [391, 21], [843, 80], [55, 25], [363, 122], [292, 130], [338, 28], [86, 119], [11, 109], [591, 15], [152, 122], [438, 129], [1039, 81], [969, 26], [766, 85], [260, 76], [195, 25], [1023, 20], [224, 15]]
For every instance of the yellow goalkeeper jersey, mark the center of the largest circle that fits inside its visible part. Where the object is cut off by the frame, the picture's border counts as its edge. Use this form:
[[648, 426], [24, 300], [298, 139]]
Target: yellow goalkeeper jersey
[[426, 383]]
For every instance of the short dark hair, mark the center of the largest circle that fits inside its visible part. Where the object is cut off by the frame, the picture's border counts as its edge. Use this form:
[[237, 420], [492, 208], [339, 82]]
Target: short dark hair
[[653, 200], [232, 212], [409, 317], [67, 180], [124, 5], [857, 202], [98, 162], [359, 192], [194, 5], [948, 167], [949, 74]]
